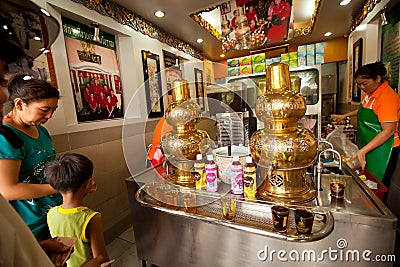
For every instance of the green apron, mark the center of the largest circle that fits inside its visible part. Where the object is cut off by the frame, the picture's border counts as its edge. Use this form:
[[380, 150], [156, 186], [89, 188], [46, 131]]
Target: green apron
[[369, 127]]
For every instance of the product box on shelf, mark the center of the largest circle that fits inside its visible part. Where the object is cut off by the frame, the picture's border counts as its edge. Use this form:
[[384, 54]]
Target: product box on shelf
[[293, 63], [302, 55], [234, 71], [276, 59], [310, 54], [245, 61], [233, 62], [246, 70], [284, 57], [319, 53], [268, 61], [293, 55], [258, 58], [259, 68]]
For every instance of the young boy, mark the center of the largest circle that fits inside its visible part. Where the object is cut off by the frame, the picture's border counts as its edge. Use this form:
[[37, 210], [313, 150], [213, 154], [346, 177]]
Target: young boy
[[71, 175]]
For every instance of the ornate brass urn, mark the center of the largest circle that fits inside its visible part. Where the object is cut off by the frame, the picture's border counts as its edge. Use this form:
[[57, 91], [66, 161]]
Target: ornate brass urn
[[283, 150], [184, 142]]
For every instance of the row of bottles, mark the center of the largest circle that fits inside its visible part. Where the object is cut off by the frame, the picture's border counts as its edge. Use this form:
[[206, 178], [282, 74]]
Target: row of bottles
[[243, 180]]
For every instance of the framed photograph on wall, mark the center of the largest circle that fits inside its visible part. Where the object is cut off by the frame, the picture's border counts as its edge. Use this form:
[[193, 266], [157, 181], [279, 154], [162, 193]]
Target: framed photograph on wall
[[152, 82], [198, 79], [357, 62]]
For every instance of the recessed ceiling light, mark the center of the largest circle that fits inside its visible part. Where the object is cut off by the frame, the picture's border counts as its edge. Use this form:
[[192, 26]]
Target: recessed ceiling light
[[222, 55], [344, 2], [159, 14], [328, 34], [44, 11], [199, 40], [36, 38]]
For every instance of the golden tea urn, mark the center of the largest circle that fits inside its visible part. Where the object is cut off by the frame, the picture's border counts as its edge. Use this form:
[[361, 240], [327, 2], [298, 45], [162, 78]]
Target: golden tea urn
[[282, 150], [185, 141]]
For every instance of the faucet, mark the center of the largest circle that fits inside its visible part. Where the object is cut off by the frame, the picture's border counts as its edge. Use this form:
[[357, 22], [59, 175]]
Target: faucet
[[320, 166]]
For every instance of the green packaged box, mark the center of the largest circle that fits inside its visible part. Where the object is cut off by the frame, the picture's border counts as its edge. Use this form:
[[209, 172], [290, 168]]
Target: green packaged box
[[246, 70], [292, 55], [233, 62], [285, 57], [245, 61], [259, 68], [293, 63], [233, 71], [258, 58]]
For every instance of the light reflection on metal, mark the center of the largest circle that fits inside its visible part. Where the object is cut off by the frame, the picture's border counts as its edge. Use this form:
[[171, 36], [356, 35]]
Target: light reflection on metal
[[185, 141], [282, 150]]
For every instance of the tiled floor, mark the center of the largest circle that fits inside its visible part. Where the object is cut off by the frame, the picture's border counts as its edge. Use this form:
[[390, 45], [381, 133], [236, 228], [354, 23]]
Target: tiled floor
[[123, 250]]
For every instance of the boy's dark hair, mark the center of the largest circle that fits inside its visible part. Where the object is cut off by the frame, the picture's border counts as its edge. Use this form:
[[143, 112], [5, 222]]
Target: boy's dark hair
[[69, 172]]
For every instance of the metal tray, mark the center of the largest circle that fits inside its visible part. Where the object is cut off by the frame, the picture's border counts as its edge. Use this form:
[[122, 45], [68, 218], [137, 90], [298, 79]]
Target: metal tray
[[251, 216]]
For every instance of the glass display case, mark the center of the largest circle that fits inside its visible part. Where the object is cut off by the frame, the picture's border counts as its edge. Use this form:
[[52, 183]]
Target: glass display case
[[253, 85]]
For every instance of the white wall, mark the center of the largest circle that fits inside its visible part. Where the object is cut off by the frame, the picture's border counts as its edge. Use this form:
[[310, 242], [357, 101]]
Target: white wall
[[129, 46], [370, 31]]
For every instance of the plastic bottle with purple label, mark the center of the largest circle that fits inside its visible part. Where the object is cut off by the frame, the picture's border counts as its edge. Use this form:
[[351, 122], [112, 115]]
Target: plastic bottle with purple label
[[211, 174], [237, 176]]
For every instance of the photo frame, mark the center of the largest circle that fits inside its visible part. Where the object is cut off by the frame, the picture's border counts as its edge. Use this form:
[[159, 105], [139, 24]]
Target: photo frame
[[357, 62], [152, 81], [198, 79], [225, 8]]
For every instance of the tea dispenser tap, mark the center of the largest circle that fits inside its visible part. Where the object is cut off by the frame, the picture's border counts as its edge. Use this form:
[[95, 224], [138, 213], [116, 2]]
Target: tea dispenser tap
[[320, 166]]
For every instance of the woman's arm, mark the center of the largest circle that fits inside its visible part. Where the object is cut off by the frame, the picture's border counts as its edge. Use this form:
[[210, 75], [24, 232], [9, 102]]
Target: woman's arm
[[388, 129], [11, 189], [338, 117], [97, 244]]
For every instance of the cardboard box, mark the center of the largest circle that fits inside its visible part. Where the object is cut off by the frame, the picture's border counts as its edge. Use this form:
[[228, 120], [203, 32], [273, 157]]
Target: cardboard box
[[301, 61], [235, 71], [301, 51], [246, 70], [293, 63], [233, 62], [259, 68], [276, 59], [319, 53], [245, 61], [293, 55], [319, 59], [258, 58], [310, 50], [285, 57], [310, 60], [268, 61]]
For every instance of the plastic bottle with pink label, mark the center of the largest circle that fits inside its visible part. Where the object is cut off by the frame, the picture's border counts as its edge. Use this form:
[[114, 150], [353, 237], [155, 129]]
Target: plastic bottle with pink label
[[211, 174], [236, 176]]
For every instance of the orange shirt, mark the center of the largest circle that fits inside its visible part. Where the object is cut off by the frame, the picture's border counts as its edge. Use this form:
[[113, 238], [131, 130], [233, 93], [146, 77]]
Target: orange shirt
[[160, 130], [385, 102]]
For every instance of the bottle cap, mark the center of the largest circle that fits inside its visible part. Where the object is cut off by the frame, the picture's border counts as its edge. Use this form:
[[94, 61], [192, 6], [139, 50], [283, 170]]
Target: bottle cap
[[235, 158], [199, 157], [210, 157], [249, 159]]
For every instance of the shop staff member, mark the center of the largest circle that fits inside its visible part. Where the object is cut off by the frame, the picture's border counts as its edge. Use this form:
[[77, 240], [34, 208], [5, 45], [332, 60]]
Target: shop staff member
[[377, 121], [18, 246]]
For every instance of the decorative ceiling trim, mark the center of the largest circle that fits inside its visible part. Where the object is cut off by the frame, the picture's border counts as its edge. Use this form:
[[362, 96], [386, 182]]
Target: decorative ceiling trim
[[205, 25], [362, 13], [126, 17], [309, 28]]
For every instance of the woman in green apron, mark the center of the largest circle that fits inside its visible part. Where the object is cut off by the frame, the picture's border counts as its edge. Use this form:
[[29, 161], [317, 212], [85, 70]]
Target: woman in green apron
[[377, 122]]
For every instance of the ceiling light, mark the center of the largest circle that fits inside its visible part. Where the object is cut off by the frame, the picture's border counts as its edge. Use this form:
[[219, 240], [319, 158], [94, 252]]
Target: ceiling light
[[36, 38], [199, 40], [344, 2], [222, 55], [328, 34], [159, 14], [44, 11]]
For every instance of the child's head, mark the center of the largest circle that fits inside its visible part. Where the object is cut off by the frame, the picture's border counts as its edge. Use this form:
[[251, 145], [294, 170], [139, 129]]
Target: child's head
[[69, 172]]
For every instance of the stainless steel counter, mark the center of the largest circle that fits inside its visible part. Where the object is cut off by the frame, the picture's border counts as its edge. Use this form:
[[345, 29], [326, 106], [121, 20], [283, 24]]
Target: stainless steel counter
[[362, 232]]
